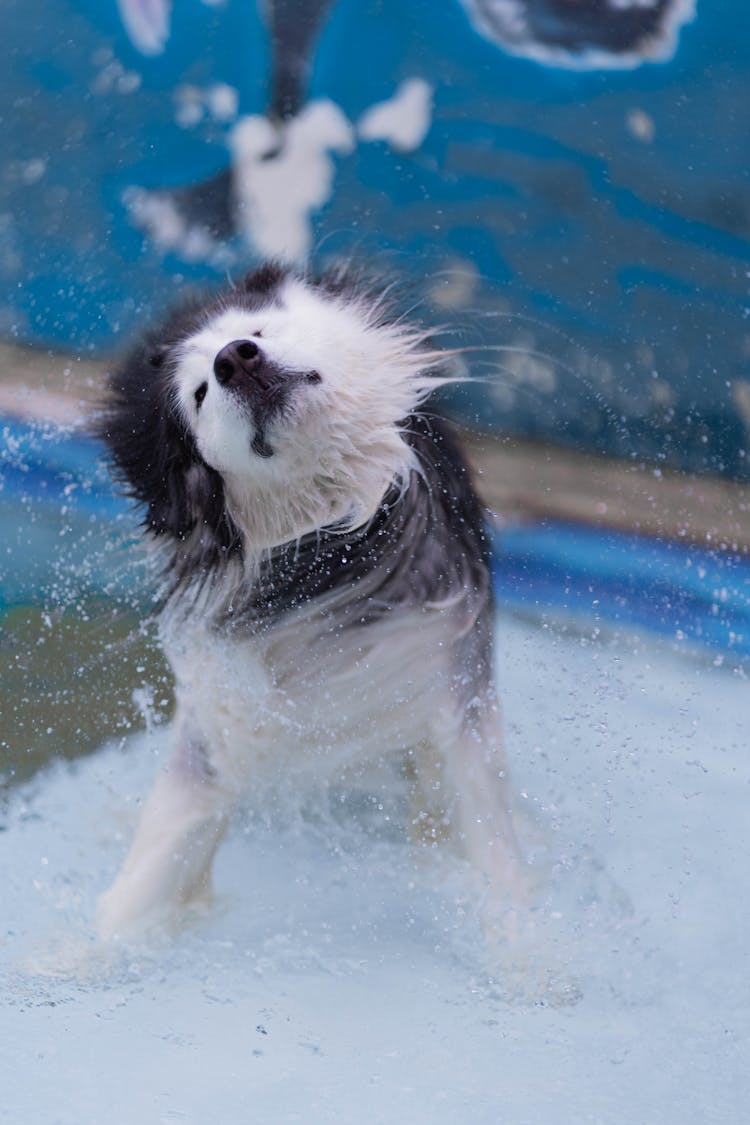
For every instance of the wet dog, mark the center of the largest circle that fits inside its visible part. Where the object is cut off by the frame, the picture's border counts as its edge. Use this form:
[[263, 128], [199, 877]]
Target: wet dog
[[327, 591]]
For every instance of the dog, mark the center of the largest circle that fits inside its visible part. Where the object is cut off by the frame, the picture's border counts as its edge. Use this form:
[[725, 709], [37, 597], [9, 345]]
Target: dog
[[326, 587]]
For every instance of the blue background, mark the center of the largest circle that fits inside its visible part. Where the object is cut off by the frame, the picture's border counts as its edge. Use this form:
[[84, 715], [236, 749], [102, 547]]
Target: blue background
[[623, 260]]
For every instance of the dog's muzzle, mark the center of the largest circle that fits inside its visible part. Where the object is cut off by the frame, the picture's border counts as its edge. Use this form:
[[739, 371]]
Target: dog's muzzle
[[238, 360], [247, 373]]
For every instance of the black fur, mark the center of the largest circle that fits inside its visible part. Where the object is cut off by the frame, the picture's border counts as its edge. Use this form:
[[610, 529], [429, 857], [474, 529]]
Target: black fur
[[155, 457]]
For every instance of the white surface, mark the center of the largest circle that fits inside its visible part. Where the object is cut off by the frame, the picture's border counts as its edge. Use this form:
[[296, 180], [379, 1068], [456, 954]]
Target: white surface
[[147, 23], [403, 120], [338, 977], [284, 172]]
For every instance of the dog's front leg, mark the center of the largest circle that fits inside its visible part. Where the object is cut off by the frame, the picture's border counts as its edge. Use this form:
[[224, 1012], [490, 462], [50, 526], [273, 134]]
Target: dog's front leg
[[168, 866], [479, 793]]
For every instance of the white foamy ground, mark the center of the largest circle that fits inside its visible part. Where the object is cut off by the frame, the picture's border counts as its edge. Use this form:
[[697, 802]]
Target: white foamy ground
[[338, 977]]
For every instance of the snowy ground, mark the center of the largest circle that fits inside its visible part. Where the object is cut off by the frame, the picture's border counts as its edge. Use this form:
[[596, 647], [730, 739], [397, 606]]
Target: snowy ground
[[340, 978]]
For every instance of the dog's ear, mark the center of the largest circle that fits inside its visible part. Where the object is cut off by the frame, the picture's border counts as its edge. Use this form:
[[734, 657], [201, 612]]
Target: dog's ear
[[155, 456], [176, 482], [265, 280]]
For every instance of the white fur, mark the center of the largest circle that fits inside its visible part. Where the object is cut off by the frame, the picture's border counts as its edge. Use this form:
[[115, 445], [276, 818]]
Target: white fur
[[305, 697]]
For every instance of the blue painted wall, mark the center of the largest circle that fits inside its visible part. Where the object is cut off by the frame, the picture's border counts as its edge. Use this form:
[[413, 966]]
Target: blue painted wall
[[586, 182]]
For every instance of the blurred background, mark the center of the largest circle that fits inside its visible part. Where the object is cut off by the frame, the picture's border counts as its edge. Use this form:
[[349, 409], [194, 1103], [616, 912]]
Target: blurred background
[[561, 183]]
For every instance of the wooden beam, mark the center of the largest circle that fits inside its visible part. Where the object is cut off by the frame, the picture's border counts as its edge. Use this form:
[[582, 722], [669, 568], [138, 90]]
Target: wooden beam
[[528, 480]]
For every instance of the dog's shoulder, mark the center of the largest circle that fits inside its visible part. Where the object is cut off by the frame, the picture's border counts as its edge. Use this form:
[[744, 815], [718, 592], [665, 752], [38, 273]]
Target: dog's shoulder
[[426, 544]]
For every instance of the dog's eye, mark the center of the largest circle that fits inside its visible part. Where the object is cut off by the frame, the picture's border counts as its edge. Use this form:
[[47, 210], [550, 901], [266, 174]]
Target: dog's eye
[[313, 377], [200, 394]]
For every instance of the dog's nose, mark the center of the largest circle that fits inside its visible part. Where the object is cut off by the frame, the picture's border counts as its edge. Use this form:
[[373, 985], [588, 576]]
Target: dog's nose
[[241, 357]]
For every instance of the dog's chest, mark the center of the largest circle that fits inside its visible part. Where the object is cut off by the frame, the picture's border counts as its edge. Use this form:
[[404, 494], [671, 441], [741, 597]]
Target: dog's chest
[[307, 697]]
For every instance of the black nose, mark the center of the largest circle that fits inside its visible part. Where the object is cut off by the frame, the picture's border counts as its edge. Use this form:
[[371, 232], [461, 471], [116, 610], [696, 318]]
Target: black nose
[[241, 357]]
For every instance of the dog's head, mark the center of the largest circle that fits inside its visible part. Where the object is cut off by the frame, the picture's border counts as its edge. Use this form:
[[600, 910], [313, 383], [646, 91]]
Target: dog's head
[[273, 411]]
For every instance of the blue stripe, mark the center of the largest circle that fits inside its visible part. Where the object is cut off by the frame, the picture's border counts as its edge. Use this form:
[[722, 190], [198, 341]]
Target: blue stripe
[[682, 591]]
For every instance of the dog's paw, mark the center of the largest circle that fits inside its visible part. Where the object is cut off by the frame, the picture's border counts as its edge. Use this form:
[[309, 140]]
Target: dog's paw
[[525, 962], [70, 957]]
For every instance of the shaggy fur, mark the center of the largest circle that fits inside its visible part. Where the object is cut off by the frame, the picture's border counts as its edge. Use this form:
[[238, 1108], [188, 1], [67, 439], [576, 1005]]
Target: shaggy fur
[[326, 593]]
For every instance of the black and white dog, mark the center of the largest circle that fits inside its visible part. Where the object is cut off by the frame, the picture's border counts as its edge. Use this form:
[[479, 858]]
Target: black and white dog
[[328, 593]]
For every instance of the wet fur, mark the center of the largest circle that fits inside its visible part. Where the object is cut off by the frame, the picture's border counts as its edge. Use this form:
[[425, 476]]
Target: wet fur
[[326, 590]]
